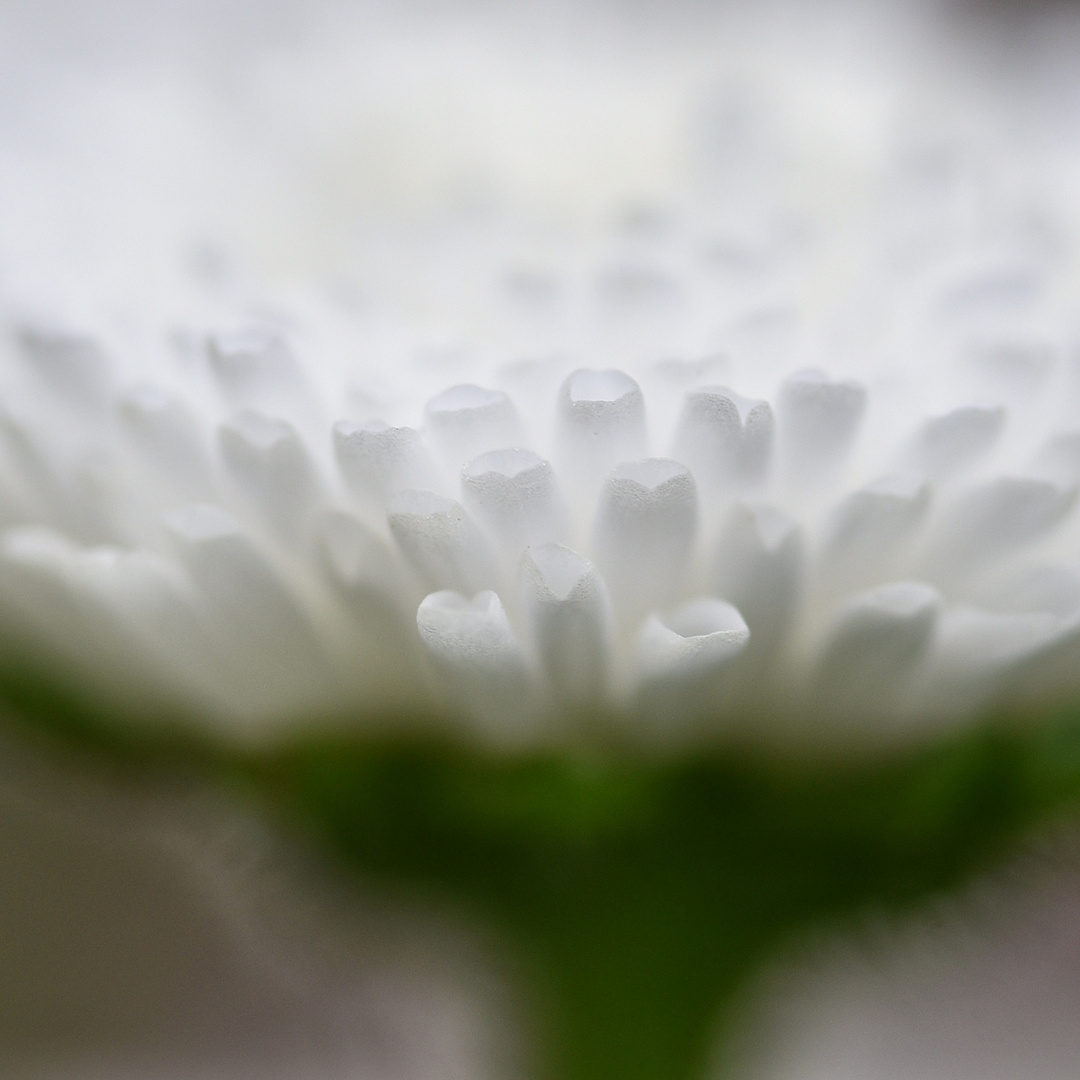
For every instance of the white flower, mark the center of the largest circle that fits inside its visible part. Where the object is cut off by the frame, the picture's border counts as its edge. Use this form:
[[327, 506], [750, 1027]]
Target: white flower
[[742, 460], [543, 380]]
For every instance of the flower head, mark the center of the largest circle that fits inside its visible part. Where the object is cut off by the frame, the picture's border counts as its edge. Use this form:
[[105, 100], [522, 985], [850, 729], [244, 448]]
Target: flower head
[[590, 381], [722, 464]]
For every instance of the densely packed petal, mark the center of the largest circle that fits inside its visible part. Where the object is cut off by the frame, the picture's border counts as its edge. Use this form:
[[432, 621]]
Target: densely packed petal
[[780, 445]]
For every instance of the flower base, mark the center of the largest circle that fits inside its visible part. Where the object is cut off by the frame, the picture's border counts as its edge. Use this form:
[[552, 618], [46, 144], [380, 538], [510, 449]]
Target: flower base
[[639, 896], [635, 896]]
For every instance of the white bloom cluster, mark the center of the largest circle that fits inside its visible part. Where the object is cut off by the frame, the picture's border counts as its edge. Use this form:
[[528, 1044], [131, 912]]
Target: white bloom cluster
[[741, 461]]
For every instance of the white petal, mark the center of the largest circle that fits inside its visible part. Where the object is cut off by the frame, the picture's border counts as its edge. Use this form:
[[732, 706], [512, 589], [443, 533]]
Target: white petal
[[601, 422], [513, 493], [681, 660], [871, 529], [167, 434], [377, 461], [726, 439], [257, 370], [267, 643], [758, 564], [996, 518], [818, 420], [645, 527], [696, 638], [272, 466], [468, 420], [975, 655], [872, 652], [565, 603], [944, 445], [471, 642], [441, 542]]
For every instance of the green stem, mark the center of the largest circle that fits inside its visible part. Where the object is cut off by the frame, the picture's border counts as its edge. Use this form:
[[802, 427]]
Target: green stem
[[631, 970], [638, 896]]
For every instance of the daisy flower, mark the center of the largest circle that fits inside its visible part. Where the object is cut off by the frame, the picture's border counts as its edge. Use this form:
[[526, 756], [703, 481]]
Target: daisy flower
[[588, 463]]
